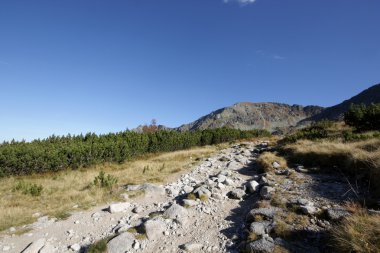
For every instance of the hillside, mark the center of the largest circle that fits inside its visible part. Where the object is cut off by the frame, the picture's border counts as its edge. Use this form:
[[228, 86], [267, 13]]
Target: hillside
[[246, 116], [368, 96]]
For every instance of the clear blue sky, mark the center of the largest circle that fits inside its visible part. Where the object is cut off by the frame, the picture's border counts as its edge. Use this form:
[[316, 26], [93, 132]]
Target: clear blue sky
[[73, 66]]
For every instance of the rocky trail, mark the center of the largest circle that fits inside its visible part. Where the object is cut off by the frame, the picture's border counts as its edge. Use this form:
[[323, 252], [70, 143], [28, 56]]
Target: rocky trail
[[223, 205]]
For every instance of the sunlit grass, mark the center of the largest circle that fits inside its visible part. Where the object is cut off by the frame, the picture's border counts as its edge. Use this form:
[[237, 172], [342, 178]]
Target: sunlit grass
[[62, 191]]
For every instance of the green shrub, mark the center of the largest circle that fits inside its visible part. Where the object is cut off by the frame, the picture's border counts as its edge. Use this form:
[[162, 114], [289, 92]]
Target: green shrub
[[363, 117], [316, 131], [70, 152], [28, 188], [105, 181], [98, 247]]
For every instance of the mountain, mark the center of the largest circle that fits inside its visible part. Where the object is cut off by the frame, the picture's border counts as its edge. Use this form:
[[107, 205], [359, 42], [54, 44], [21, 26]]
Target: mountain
[[368, 96], [246, 116]]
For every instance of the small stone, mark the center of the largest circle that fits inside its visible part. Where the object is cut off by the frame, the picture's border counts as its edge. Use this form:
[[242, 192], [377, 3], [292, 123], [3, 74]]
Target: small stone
[[188, 189], [301, 169], [136, 245], [190, 202], [192, 247], [12, 230], [236, 194], [138, 209], [276, 165], [252, 186], [308, 209], [75, 247]]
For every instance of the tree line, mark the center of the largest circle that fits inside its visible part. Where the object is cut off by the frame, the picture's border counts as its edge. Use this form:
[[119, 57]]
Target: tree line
[[57, 153]]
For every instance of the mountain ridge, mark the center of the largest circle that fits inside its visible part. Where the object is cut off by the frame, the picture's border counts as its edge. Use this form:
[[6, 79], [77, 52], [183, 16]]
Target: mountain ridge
[[274, 116]]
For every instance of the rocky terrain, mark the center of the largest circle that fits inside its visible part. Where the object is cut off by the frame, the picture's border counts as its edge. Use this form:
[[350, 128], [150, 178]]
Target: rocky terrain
[[247, 116], [222, 205], [276, 117]]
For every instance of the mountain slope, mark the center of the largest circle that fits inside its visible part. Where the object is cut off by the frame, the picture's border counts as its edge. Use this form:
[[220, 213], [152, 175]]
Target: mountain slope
[[246, 116], [368, 96]]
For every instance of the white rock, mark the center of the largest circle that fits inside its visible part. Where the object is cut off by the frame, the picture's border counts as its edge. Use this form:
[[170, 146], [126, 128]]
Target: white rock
[[192, 247], [308, 209], [190, 202], [75, 247], [276, 165], [136, 245], [252, 186], [154, 229], [188, 189], [178, 213], [119, 207]]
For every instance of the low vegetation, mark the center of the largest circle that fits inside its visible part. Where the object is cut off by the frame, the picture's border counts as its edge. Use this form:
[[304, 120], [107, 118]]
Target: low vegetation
[[21, 197], [363, 117], [105, 181], [359, 232], [58, 153], [351, 149], [266, 160]]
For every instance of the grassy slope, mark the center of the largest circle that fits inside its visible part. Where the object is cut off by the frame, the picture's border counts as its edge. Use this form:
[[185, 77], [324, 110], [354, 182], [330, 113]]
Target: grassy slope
[[63, 190]]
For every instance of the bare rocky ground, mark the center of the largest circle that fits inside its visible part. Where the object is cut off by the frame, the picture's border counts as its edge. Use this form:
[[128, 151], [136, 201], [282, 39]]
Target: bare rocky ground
[[222, 205]]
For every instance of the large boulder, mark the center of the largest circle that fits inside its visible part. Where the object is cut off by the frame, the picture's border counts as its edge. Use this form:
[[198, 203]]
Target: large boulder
[[121, 243], [263, 245], [233, 165], [202, 190], [154, 229], [178, 213]]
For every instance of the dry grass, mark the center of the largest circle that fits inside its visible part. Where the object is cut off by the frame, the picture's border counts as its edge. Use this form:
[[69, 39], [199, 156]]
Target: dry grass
[[252, 237], [280, 249], [357, 233], [282, 229], [352, 158], [203, 198], [63, 190], [266, 160]]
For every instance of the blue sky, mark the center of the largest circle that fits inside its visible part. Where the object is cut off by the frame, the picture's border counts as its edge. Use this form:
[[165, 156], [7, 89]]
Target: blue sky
[[73, 66]]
